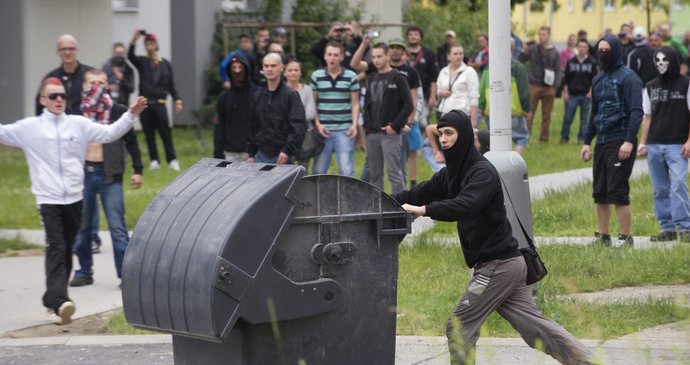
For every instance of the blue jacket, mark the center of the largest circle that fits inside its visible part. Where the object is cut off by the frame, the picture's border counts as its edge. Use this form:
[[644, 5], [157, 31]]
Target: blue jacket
[[616, 102]]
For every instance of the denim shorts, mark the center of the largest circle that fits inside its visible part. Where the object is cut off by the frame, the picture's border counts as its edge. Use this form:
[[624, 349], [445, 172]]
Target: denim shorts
[[415, 138], [520, 132]]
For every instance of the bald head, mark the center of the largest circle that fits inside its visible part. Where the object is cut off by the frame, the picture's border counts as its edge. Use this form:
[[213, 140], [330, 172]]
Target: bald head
[[66, 38], [67, 50], [273, 67]]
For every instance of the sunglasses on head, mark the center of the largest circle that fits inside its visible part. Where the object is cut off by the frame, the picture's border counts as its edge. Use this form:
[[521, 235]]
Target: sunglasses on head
[[54, 96]]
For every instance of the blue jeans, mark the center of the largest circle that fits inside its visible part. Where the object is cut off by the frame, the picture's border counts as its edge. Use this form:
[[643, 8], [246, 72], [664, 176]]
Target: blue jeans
[[262, 157], [668, 170], [428, 153], [343, 146], [113, 203], [570, 107]]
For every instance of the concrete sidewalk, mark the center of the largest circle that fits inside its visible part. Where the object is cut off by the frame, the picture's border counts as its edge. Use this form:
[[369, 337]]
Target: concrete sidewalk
[[669, 346]]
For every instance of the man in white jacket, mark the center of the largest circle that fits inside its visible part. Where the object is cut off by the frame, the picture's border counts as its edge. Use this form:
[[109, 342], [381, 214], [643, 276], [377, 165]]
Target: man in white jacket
[[55, 147], [458, 86]]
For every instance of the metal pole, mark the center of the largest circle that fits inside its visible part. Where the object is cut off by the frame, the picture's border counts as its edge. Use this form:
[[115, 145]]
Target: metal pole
[[499, 76]]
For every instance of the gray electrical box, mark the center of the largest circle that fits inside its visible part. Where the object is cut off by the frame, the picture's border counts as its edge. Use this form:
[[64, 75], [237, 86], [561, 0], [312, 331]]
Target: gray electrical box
[[257, 264]]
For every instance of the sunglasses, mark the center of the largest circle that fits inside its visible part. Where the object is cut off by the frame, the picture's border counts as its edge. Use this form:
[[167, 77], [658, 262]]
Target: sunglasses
[[54, 96]]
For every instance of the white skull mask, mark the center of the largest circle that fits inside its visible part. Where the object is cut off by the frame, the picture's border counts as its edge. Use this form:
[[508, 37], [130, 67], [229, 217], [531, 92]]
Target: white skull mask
[[661, 62]]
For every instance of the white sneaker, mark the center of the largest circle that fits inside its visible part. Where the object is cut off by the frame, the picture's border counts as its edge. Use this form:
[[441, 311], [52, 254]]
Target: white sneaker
[[174, 165], [64, 313], [154, 165]]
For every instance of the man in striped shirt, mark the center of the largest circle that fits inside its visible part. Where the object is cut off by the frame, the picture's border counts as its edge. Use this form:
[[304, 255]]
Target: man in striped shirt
[[336, 92]]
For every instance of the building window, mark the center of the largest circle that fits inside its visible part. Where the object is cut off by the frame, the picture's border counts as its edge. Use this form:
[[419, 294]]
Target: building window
[[125, 5], [609, 5], [570, 6], [588, 6]]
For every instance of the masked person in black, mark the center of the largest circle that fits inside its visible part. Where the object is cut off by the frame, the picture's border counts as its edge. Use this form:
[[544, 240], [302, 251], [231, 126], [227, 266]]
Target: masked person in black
[[665, 141], [234, 112], [468, 191], [614, 121]]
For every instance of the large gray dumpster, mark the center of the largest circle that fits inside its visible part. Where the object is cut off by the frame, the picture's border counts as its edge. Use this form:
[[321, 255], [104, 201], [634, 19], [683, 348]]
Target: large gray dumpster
[[258, 264]]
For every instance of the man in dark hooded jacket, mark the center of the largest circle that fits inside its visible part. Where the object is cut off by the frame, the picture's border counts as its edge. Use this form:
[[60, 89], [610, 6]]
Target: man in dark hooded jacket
[[641, 58], [234, 110], [615, 119], [468, 191], [666, 142]]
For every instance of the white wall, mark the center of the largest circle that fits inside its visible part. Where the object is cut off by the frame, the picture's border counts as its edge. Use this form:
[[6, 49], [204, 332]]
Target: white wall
[[87, 20], [385, 11]]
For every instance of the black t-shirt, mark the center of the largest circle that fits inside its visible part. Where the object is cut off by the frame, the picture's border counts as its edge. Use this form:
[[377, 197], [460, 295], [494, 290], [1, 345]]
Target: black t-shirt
[[670, 113], [424, 62], [378, 85], [408, 71]]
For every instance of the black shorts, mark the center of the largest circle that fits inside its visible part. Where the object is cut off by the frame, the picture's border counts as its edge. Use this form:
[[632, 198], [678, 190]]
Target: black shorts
[[612, 176]]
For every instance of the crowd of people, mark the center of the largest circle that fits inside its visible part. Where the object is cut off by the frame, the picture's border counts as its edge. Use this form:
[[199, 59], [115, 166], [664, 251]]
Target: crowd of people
[[384, 98], [77, 146]]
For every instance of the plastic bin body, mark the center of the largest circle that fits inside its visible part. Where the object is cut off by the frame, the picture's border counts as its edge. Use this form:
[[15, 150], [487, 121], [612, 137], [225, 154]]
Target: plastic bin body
[[513, 171], [257, 264]]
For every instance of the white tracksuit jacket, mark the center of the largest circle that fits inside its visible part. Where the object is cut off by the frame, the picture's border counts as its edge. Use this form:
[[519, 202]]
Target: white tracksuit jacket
[[55, 149]]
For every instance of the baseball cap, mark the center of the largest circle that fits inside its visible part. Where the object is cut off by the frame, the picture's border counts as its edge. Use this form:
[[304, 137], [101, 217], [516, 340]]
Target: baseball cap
[[280, 31], [150, 37], [639, 33], [450, 33], [397, 41], [243, 35]]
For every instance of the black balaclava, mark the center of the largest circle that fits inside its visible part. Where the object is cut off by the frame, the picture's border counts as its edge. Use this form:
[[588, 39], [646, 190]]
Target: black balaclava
[[463, 154], [238, 81], [610, 61], [670, 55]]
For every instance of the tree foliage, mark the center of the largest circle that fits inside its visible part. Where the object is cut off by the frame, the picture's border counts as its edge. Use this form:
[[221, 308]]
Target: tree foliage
[[465, 17], [320, 11]]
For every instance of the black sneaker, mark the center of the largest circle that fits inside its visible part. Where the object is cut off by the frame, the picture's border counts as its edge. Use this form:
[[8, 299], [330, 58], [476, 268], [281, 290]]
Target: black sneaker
[[81, 281], [602, 239], [664, 236], [623, 241]]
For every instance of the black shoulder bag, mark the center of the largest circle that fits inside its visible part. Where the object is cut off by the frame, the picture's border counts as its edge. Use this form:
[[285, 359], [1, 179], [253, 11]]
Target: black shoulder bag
[[536, 270]]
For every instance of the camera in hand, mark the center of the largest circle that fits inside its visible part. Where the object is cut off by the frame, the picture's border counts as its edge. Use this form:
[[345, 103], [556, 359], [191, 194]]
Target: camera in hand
[[142, 32], [373, 34]]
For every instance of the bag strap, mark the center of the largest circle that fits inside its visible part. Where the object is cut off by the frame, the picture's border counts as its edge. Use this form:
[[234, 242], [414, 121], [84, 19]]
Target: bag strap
[[524, 231], [419, 57], [457, 76]]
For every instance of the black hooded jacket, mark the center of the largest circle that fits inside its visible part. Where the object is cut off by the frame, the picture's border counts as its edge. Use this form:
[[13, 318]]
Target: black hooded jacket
[[468, 191], [234, 112], [641, 60], [668, 100]]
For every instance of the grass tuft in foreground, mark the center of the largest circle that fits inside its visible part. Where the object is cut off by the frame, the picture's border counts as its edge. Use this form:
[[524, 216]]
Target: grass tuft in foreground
[[8, 247]]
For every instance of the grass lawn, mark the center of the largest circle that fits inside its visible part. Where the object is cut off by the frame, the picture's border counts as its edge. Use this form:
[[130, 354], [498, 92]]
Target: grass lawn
[[432, 278], [15, 186], [571, 212], [9, 247]]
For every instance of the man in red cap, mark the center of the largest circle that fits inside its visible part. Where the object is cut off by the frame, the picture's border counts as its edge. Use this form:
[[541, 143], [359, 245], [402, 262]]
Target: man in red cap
[[155, 83]]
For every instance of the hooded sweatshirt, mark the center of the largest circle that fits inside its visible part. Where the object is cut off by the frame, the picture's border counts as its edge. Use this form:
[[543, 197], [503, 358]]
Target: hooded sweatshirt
[[641, 60], [234, 110], [616, 101], [467, 191], [666, 99]]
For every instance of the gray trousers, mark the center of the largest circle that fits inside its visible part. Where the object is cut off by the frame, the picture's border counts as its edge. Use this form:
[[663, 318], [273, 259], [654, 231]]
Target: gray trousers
[[499, 285], [382, 148]]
